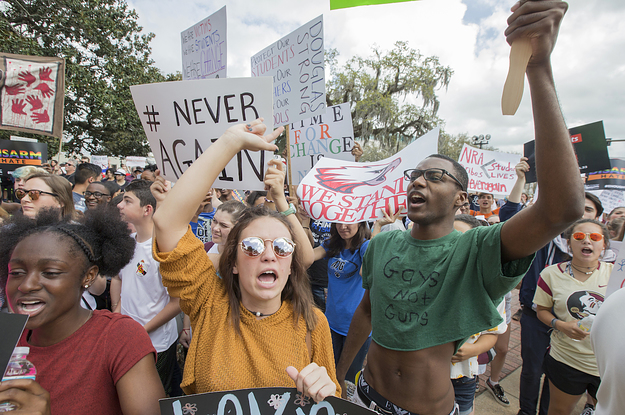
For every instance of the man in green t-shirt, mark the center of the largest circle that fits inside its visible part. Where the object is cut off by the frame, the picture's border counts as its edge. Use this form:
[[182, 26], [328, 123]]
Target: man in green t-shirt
[[430, 288]]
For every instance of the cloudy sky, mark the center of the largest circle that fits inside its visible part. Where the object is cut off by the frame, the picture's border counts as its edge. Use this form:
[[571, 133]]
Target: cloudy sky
[[467, 35]]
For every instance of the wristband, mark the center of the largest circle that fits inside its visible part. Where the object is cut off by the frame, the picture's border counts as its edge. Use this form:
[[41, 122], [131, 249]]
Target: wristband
[[291, 210], [553, 323]]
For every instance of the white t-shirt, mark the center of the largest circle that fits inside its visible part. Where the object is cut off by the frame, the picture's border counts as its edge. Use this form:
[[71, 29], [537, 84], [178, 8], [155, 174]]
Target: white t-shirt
[[469, 367], [608, 336], [143, 295]]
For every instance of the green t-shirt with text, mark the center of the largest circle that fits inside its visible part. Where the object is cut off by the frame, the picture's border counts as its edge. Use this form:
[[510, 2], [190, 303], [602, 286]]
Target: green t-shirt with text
[[428, 293]]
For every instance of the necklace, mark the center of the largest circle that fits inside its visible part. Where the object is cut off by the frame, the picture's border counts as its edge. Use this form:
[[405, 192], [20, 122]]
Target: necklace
[[259, 314], [584, 272]]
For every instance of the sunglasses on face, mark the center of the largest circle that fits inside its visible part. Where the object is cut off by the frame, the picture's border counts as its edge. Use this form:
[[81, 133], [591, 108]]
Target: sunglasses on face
[[97, 195], [254, 246], [431, 175], [594, 236], [32, 194]]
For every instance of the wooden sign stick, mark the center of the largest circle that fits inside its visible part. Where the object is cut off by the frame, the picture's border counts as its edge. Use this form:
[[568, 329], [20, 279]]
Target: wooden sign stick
[[520, 53], [288, 162]]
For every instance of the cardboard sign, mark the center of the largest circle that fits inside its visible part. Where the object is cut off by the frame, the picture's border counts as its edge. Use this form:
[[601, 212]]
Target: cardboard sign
[[12, 327], [343, 4], [101, 161], [182, 119], [349, 192], [296, 64], [590, 149], [204, 51], [32, 89], [261, 401], [133, 162], [608, 179], [489, 171], [329, 135], [610, 199], [14, 154]]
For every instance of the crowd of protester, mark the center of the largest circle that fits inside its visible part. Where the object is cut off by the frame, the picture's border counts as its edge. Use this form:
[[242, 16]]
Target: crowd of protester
[[138, 289]]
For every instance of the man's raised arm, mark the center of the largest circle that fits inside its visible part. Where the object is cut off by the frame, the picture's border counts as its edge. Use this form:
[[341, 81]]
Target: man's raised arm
[[561, 199]]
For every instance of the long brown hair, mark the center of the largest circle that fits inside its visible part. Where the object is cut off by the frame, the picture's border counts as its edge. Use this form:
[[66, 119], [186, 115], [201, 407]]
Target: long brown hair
[[63, 188], [297, 289], [336, 244]]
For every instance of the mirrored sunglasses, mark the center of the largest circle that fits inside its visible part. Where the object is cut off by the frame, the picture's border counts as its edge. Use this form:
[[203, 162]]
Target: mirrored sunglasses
[[594, 236], [255, 246], [32, 194]]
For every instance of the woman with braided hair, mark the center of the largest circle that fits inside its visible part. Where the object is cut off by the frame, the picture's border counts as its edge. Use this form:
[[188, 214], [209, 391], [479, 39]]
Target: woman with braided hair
[[87, 361]]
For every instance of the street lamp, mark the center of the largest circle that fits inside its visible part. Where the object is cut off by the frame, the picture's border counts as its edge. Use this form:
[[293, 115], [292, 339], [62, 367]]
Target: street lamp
[[480, 140]]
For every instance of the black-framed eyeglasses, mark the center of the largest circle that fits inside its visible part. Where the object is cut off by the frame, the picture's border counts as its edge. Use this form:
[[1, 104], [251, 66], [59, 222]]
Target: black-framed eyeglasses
[[254, 246], [431, 175], [97, 195], [32, 194]]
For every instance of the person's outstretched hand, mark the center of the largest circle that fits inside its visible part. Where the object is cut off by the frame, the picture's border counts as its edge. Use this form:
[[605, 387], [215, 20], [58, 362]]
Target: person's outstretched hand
[[522, 167], [252, 136], [160, 187], [313, 381], [274, 179]]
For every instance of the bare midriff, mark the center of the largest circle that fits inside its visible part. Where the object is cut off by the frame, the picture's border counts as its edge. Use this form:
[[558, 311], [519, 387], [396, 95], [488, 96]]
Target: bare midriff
[[417, 381]]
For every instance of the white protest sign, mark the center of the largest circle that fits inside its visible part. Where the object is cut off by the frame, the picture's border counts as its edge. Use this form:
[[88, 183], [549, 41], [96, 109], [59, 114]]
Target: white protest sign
[[610, 199], [101, 161], [617, 278], [297, 66], [329, 135], [133, 162], [182, 119], [350, 192], [489, 171], [204, 52]]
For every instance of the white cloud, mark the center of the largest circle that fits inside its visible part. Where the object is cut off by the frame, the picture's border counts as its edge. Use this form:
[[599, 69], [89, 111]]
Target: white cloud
[[588, 67]]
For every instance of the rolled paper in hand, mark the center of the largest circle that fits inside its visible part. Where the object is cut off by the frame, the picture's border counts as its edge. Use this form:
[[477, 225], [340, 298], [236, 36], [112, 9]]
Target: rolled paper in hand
[[520, 53]]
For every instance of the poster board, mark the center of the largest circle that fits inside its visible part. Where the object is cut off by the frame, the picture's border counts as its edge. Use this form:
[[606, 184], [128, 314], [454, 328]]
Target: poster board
[[589, 145], [349, 192], [182, 119], [204, 48], [12, 327], [489, 171], [328, 135], [14, 154], [100, 161], [260, 401], [32, 89], [296, 64], [608, 179]]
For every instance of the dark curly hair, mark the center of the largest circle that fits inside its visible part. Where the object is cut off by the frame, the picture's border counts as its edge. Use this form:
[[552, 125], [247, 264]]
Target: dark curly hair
[[102, 240], [297, 289], [336, 244]]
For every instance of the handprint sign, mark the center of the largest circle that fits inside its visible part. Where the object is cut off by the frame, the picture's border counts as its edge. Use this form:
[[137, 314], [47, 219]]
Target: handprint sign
[[40, 118], [44, 74], [35, 102], [14, 89], [18, 106], [46, 91], [27, 77]]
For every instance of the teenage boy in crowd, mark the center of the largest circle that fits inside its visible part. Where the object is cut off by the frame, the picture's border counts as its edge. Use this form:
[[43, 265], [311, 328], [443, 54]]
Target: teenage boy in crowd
[[430, 289], [485, 202], [86, 174], [143, 296]]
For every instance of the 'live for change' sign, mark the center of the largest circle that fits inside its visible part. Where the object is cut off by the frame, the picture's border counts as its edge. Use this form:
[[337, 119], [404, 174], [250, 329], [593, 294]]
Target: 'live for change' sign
[[261, 401], [182, 119], [296, 65]]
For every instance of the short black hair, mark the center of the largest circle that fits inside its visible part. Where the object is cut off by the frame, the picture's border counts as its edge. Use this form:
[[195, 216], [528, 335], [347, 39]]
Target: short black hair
[[141, 189], [151, 167], [86, 170], [468, 219], [103, 239], [459, 171], [111, 186], [251, 199], [595, 200]]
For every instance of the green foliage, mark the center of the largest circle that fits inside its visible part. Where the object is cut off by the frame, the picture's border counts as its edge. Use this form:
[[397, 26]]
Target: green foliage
[[392, 96], [105, 53]]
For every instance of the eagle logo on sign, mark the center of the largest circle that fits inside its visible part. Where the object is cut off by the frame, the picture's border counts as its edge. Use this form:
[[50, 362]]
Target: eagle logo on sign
[[346, 179]]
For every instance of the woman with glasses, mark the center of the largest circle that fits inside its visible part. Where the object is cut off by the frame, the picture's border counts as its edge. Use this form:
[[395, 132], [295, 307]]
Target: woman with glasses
[[569, 294], [256, 326], [43, 190]]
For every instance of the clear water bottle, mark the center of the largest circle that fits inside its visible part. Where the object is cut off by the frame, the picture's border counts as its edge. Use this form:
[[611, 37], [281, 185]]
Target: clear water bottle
[[586, 323], [19, 368]]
